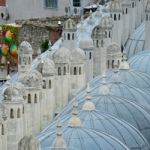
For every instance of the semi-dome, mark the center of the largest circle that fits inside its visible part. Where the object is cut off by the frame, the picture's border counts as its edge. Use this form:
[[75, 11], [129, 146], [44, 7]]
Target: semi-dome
[[25, 48], [83, 139], [70, 25], [136, 42], [31, 79], [78, 55], [106, 22], [62, 55], [12, 93], [86, 43], [140, 62], [46, 67], [105, 123]]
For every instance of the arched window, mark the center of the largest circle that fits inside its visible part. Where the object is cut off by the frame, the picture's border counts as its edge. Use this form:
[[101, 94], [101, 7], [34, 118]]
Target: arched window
[[90, 55], [64, 70], [11, 113], [108, 64], [133, 5], [2, 130], [126, 10], [97, 43], [73, 36], [106, 34], [112, 63], [75, 71], [50, 84], [102, 43], [115, 17], [44, 84], [18, 113], [119, 17], [146, 17], [59, 71], [68, 36], [80, 71], [109, 34], [118, 62], [29, 98], [23, 110], [35, 98], [29, 60]]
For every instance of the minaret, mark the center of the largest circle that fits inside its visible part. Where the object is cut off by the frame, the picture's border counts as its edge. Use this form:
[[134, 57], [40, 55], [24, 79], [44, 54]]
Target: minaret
[[69, 33], [147, 25], [139, 12], [24, 57], [133, 15], [47, 68], [13, 101], [126, 6], [116, 15], [3, 127], [102, 36]]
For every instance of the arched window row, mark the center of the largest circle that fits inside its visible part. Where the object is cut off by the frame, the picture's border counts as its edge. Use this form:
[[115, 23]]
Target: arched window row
[[29, 100], [69, 36], [76, 71], [62, 70], [12, 113], [116, 17]]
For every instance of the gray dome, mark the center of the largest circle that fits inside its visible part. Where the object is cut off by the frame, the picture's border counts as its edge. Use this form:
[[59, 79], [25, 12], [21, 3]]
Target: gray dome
[[31, 79], [115, 6], [46, 67], [62, 55], [78, 56], [25, 48], [136, 41], [140, 62], [86, 43], [12, 93], [106, 22], [83, 139], [70, 25]]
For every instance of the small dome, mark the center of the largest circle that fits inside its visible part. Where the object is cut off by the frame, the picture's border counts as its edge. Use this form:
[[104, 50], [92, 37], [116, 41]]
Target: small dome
[[98, 32], [113, 48], [12, 93], [106, 22], [25, 48], [83, 139], [86, 43], [70, 25], [62, 55], [46, 67], [78, 56], [140, 62], [147, 6], [115, 6], [32, 79]]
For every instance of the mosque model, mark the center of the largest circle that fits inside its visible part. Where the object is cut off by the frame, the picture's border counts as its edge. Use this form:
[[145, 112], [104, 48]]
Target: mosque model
[[84, 94]]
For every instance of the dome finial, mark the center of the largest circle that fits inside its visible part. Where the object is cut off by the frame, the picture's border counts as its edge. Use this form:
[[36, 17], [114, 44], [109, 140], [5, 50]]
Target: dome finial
[[88, 105], [104, 89], [74, 120], [59, 142], [124, 64]]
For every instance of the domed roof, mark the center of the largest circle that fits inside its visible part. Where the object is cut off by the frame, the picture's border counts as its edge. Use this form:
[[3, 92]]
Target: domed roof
[[98, 32], [140, 62], [86, 43], [62, 55], [147, 6], [12, 93], [115, 6], [78, 56], [25, 48], [136, 42], [113, 48], [31, 79], [106, 22], [70, 25], [83, 139], [46, 67]]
